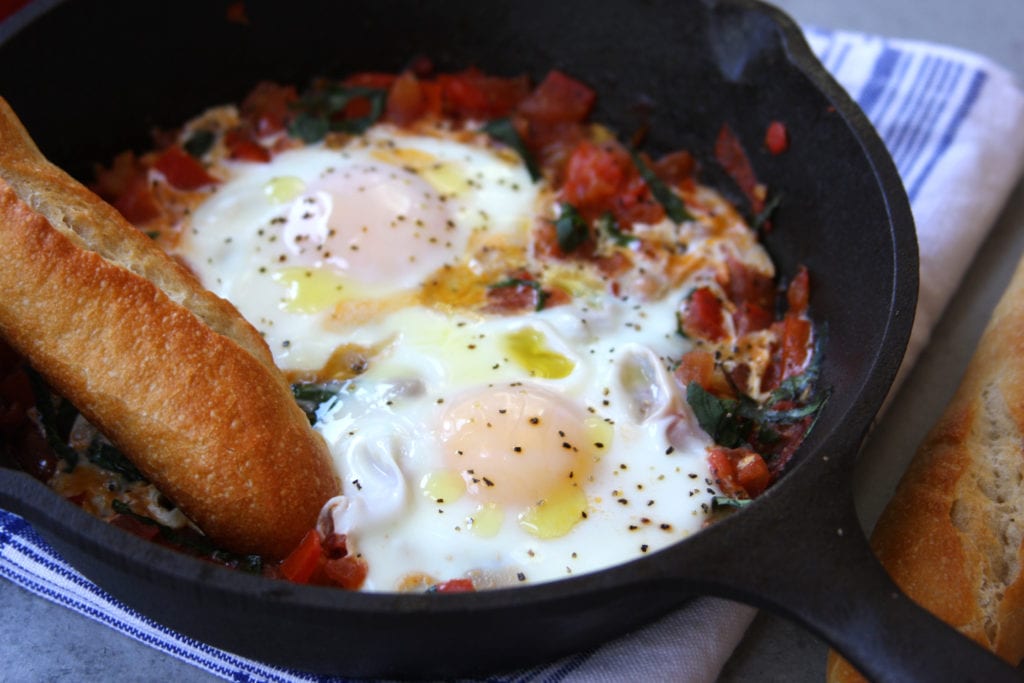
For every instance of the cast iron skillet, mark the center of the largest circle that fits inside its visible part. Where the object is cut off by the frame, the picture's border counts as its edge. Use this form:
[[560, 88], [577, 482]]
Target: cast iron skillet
[[90, 78]]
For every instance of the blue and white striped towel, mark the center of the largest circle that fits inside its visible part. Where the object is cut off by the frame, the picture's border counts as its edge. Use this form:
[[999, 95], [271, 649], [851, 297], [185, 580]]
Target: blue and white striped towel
[[955, 125]]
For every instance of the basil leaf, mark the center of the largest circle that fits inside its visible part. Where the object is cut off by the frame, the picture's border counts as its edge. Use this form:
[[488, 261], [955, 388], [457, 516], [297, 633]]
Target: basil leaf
[[504, 132], [49, 420], [716, 416], [197, 543], [111, 459], [311, 395], [570, 228], [608, 225], [669, 200], [378, 100], [766, 213], [199, 143], [308, 128], [725, 502]]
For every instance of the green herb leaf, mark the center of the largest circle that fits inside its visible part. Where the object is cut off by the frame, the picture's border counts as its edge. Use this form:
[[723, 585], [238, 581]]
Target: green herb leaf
[[608, 225], [199, 143], [311, 395], [504, 132], [542, 296], [728, 502], [111, 459], [716, 416], [194, 542], [570, 228], [49, 420], [309, 128], [766, 213], [669, 200]]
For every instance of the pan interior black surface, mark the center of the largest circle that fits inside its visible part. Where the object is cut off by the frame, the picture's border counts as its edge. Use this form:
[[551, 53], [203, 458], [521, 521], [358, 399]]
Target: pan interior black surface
[[103, 74]]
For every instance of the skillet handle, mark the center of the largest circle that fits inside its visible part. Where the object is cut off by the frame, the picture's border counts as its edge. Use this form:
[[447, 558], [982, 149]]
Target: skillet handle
[[809, 561]]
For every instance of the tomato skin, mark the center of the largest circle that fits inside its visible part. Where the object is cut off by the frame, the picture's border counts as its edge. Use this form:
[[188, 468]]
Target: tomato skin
[[776, 137], [137, 203], [182, 170], [731, 155], [697, 366], [302, 563], [798, 292], [241, 147], [703, 316], [796, 337], [455, 586], [267, 108], [345, 572], [739, 472], [472, 94], [558, 99]]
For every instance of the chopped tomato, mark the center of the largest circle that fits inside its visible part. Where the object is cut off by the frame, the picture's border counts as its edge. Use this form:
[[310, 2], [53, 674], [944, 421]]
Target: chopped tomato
[[407, 99], [796, 338], [745, 284], [268, 107], [594, 177], [703, 316], [302, 563], [776, 138], [241, 147], [739, 472], [558, 99], [472, 94], [371, 79], [750, 317], [696, 366], [182, 170], [731, 155], [675, 167], [346, 572], [137, 203], [455, 586], [798, 292]]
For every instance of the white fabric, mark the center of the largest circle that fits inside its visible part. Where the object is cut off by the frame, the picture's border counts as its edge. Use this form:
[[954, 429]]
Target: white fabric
[[955, 125]]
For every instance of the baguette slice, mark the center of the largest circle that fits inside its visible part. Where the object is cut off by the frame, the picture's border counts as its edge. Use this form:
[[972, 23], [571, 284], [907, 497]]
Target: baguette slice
[[952, 537], [170, 373]]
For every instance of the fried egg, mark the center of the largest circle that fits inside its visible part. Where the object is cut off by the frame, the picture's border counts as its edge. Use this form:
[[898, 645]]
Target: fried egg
[[505, 448]]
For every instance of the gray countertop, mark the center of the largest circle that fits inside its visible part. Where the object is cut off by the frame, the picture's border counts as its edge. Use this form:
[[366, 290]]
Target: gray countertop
[[42, 641]]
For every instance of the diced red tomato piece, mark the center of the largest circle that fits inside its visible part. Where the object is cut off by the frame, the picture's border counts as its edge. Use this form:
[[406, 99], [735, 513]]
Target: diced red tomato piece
[[182, 170], [703, 315], [796, 351], [798, 292], [696, 366], [347, 572], [739, 472], [456, 586], [267, 107], [752, 473], [594, 177], [731, 155], [406, 100], [371, 79], [776, 138], [675, 167], [241, 147], [558, 99], [302, 563], [137, 202], [750, 317], [472, 94]]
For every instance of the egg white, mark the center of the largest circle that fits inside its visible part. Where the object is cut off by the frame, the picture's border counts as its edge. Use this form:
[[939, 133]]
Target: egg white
[[264, 241]]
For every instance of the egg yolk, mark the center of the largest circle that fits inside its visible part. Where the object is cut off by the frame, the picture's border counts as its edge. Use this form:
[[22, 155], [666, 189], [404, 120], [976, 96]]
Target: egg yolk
[[523, 446], [374, 224]]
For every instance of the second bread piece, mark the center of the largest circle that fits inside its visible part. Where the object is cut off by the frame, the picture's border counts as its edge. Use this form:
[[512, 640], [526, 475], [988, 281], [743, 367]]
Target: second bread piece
[[952, 537]]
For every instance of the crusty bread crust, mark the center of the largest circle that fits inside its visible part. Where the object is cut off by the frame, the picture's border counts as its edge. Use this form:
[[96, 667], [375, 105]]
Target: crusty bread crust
[[952, 537], [173, 375]]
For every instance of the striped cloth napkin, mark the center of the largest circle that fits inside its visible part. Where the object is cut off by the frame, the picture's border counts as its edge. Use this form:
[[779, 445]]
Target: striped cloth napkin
[[954, 123]]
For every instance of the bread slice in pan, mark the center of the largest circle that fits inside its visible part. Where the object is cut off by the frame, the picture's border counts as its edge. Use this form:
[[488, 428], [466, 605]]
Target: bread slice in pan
[[952, 537], [172, 374]]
